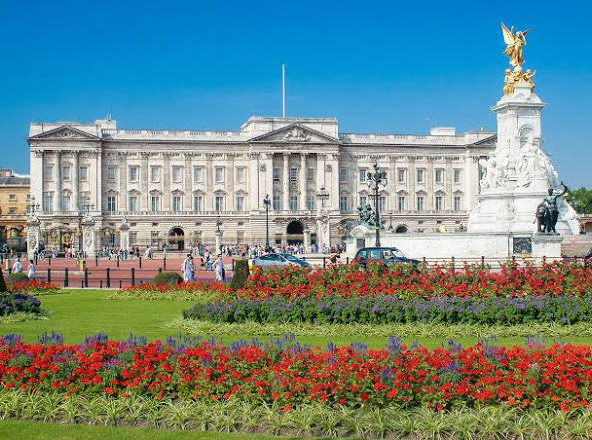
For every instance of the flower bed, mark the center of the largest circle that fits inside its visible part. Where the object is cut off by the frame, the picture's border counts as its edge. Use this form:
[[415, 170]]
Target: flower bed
[[195, 290], [34, 287], [289, 375], [386, 309], [404, 282]]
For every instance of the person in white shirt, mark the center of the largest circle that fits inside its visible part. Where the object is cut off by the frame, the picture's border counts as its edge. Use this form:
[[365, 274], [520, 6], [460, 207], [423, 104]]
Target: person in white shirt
[[17, 267], [187, 268], [31, 271], [219, 268]]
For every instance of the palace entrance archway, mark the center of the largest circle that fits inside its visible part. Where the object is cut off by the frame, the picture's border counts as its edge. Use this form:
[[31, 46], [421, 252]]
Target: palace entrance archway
[[295, 232], [176, 239]]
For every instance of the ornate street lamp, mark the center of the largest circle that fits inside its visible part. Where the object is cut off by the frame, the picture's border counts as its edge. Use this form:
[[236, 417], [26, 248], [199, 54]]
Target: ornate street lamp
[[218, 223], [375, 181], [33, 206], [267, 203]]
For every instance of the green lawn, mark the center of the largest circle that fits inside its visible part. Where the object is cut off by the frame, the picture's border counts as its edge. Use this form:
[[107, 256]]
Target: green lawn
[[79, 313], [53, 431]]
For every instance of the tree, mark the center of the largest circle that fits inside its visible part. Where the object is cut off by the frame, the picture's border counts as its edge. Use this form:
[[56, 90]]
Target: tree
[[581, 200], [3, 287]]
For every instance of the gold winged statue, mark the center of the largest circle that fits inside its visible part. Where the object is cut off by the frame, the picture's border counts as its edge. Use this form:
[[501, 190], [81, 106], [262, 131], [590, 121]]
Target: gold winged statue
[[514, 44]]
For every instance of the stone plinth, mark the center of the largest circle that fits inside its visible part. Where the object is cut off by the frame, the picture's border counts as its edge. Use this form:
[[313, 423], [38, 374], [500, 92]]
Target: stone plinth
[[546, 246], [88, 237], [33, 235]]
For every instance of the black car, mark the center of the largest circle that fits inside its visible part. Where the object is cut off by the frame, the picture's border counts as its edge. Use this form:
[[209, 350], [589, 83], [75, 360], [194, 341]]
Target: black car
[[386, 255]]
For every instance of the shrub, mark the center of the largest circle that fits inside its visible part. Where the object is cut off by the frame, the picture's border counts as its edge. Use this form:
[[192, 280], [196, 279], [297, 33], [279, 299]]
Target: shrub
[[17, 277], [18, 302], [168, 278], [3, 287], [241, 273]]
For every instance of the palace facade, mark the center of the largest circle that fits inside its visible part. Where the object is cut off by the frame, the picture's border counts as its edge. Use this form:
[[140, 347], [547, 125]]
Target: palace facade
[[14, 205], [173, 186]]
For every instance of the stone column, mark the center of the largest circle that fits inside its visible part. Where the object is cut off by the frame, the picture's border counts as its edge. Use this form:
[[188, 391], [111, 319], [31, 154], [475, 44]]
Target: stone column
[[187, 183], [430, 185], [57, 202], [37, 179], [302, 203], [33, 235], [411, 178], [286, 182], [306, 232], [76, 181], [209, 183], [98, 162], [448, 185], [88, 237], [166, 182], [218, 244], [144, 179], [124, 235], [334, 190], [254, 198]]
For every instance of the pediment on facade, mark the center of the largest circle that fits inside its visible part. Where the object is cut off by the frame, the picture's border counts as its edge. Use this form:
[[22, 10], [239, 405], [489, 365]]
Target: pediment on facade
[[66, 132], [296, 133]]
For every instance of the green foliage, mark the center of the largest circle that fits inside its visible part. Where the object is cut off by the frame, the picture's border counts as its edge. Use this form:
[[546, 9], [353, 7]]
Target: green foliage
[[581, 200], [241, 273], [315, 419], [3, 287], [18, 277], [168, 278], [412, 330]]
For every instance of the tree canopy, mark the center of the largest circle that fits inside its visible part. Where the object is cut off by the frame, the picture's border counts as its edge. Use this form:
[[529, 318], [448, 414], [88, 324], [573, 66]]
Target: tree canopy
[[581, 200]]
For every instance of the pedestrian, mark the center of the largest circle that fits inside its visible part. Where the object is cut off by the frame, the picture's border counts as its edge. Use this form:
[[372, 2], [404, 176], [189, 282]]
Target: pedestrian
[[187, 268], [219, 268], [17, 267], [31, 271]]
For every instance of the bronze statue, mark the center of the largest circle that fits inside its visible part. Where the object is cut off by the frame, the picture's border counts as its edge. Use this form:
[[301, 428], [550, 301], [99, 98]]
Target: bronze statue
[[547, 212]]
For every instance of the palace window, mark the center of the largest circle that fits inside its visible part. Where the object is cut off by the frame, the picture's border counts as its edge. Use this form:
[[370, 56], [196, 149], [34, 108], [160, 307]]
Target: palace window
[[363, 200], [84, 201], [439, 175], [457, 176], [176, 203], [198, 174], [382, 203], [401, 203], [177, 174], [439, 203], [133, 173], [133, 203], [293, 174], [276, 174], [111, 203], [310, 174], [293, 203], [12, 210], [343, 203], [66, 173], [420, 203], [48, 202], [401, 174], [240, 203], [420, 175], [155, 174], [219, 204], [362, 174], [154, 203], [12, 197], [457, 203], [111, 174], [219, 174], [154, 238], [48, 172], [83, 173], [198, 203], [343, 174], [310, 202], [66, 202], [240, 236], [133, 236], [277, 203], [240, 174]]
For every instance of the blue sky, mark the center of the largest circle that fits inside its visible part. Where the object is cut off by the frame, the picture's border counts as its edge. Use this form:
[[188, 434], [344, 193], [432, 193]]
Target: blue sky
[[389, 67]]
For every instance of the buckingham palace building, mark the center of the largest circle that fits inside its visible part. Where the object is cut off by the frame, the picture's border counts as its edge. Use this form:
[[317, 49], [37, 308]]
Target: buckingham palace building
[[178, 187]]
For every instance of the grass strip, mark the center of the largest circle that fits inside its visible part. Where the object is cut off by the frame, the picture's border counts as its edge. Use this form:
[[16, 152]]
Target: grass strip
[[415, 330], [22, 317], [306, 421]]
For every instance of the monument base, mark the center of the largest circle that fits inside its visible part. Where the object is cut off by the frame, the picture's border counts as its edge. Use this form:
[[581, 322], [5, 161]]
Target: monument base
[[467, 246]]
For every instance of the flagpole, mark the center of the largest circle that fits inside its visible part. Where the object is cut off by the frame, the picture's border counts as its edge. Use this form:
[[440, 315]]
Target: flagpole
[[283, 90]]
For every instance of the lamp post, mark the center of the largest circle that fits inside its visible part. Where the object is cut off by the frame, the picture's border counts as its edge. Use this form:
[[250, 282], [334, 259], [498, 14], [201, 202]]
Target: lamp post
[[267, 203], [375, 181], [87, 207], [323, 196]]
